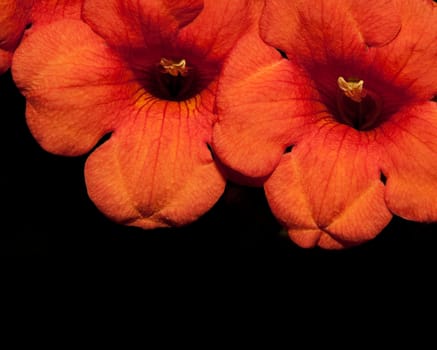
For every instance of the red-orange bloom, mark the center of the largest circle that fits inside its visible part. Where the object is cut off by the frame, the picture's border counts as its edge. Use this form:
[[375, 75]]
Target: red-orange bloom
[[144, 72], [345, 129]]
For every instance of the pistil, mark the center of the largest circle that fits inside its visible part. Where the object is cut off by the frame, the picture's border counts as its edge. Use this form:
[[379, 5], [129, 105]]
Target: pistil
[[174, 68], [352, 89], [358, 107]]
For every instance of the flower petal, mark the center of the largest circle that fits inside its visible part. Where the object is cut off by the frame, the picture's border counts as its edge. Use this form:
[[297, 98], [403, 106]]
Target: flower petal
[[5, 60], [130, 25], [263, 103], [322, 36], [47, 11], [156, 169], [74, 86], [220, 25], [184, 11], [330, 38], [409, 141], [409, 61], [328, 28], [327, 191], [14, 16], [378, 20]]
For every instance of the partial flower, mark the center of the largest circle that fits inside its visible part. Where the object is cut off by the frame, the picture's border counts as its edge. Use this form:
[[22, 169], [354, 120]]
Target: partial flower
[[143, 74], [345, 130]]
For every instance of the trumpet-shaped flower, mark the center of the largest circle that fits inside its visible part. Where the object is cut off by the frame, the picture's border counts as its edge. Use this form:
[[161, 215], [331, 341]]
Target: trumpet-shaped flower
[[345, 130], [145, 73]]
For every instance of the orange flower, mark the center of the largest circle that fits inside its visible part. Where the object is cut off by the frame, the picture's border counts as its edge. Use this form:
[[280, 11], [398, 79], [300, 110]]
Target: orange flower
[[145, 73], [344, 131]]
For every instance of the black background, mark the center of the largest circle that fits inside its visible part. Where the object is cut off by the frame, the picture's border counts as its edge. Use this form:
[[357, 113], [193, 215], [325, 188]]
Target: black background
[[46, 210]]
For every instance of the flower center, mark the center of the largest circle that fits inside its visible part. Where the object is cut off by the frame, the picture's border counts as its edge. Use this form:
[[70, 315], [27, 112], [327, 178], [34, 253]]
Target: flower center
[[357, 107], [176, 77], [174, 80], [352, 89], [174, 68]]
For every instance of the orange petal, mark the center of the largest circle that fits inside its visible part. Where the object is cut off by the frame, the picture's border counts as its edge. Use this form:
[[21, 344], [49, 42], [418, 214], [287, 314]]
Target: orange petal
[[5, 60], [156, 169], [409, 61], [330, 38], [220, 25], [329, 28], [409, 145], [263, 104], [329, 185], [130, 25], [184, 11], [47, 11], [75, 88], [378, 21], [278, 23], [14, 16], [321, 35], [308, 238]]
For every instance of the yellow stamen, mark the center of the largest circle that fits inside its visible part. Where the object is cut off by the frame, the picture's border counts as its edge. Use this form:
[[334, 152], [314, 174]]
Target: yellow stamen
[[352, 89], [174, 68]]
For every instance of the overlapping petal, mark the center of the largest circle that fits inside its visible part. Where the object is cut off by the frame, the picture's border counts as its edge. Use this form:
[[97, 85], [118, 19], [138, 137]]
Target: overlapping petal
[[322, 29], [409, 61], [220, 25], [14, 16], [255, 91], [133, 27], [47, 11], [409, 147], [156, 169], [378, 21], [330, 38], [5, 60], [327, 191], [76, 89]]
